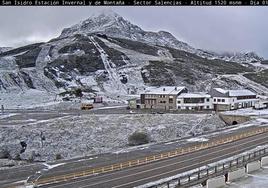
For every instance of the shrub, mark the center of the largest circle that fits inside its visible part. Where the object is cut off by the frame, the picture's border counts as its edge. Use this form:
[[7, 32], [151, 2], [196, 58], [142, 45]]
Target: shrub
[[78, 92], [4, 154], [138, 138], [58, 156], [206, 129]]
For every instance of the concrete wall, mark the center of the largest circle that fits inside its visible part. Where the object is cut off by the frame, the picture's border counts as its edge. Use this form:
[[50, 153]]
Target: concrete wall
[[239, 173], [253, 166], [216, 182], [264, 161], [229, 119]]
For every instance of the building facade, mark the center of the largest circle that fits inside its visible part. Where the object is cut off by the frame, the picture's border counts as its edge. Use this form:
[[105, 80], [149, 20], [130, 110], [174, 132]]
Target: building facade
[[162, 97], [194, 101], [232, 99], [134, 103]]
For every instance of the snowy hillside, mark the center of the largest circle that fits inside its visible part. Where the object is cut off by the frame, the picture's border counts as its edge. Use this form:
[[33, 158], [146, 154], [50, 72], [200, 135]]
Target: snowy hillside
[[4, 49], [107, 55], [114, 25]]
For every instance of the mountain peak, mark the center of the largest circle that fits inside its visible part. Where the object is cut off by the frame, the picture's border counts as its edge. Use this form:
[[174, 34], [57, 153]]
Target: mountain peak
[[112, 24], [105, 21], [105, 12]]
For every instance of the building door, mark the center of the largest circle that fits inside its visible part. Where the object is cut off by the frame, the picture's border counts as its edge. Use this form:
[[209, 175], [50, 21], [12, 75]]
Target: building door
[[215, 107]]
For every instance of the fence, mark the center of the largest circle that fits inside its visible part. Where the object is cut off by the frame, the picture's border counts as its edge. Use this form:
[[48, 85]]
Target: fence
[[210, 172]]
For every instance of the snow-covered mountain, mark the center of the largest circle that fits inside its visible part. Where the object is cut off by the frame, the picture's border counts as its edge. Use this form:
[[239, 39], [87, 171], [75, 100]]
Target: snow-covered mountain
[[4, 49], [112, 24], [248, 57], [109, 56]]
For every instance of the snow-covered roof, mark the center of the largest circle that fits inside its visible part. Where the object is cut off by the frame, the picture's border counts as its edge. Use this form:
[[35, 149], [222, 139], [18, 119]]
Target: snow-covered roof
[[194, 95], [241, 92], [168, 90], [235, 93], [221, 90]]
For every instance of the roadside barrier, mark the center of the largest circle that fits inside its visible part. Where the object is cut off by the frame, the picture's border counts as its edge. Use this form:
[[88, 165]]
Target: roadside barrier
[[149, 159]]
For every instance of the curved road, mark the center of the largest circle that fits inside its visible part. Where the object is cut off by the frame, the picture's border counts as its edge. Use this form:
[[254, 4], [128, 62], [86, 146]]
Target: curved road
[[139, 175]]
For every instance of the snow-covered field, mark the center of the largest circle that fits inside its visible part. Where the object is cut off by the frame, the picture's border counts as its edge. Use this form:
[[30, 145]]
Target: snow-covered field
[[72, 136], [248, 112], [26, 99]]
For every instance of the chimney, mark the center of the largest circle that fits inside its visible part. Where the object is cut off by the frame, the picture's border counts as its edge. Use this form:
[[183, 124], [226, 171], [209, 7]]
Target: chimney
[[175, 88]]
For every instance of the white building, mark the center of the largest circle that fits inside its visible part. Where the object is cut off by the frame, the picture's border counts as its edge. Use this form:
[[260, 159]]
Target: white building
[[194, 101], [232, 99]]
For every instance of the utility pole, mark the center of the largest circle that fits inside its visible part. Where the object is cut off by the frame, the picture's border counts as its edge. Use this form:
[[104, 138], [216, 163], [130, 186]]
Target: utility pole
[[2, 109], [43, 138]]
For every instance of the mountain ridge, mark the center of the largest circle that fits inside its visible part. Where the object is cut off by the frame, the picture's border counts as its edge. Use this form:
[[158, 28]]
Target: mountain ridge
[[112, 24]]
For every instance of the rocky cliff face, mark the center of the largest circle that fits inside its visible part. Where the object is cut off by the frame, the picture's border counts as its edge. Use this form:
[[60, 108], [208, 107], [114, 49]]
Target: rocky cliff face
[[108, 55]]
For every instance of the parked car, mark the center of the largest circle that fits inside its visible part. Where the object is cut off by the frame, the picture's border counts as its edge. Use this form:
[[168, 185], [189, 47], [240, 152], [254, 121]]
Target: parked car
[[86, 106]]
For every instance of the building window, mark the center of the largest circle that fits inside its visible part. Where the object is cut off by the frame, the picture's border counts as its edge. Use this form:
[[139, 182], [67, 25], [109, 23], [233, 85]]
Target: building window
[[179, 107], [218, 100], [223, 100], [207, 99], [214, 100], [207, 107], [194, 100], [170, 100], [179, 102]]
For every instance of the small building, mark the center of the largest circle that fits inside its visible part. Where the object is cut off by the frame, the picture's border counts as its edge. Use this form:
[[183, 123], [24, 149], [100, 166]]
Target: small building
[[98, 99], [162, 97], [134, 103], [194, 101], [232, 99], [261, 104]]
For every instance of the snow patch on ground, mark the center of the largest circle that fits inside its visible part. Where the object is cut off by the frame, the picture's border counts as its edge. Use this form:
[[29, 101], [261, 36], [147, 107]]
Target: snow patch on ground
[[27, 99], [6, 115], [49, 167], [197, 139], [248, 112]]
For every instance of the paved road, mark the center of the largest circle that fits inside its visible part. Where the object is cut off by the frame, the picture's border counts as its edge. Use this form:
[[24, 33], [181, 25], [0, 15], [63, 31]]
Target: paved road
[[165, 168]]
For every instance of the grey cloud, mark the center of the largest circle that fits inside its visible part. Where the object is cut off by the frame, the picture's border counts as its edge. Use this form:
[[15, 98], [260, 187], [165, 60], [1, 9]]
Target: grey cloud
[[212, 28]]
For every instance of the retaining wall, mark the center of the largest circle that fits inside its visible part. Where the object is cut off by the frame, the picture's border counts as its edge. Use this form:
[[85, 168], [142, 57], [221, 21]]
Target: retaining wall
[[216, 182], [236, 174], [253, 166], [264, 161], [234, 119]]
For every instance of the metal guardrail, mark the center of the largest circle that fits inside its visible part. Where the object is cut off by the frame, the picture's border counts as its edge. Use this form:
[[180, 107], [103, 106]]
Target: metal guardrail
[[149, 159], [210, 172]]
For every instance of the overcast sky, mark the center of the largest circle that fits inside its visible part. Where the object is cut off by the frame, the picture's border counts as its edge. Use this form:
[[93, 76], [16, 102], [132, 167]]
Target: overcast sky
[[212, 28]]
